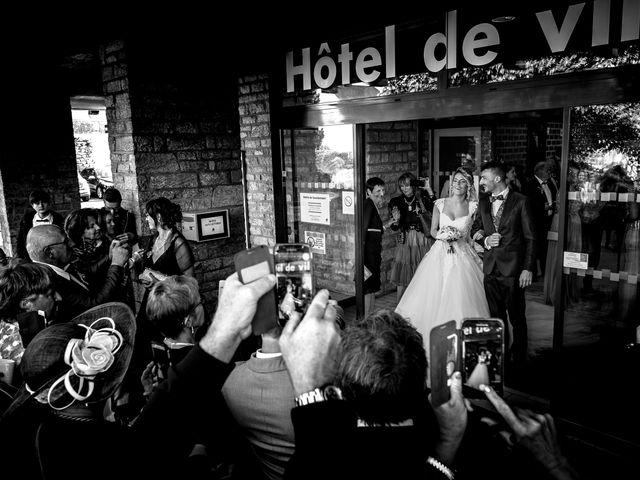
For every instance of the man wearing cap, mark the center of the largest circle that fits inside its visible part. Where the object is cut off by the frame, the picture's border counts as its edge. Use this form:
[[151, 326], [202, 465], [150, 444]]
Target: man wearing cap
[[49, 245], [42, 214], [124, 220]]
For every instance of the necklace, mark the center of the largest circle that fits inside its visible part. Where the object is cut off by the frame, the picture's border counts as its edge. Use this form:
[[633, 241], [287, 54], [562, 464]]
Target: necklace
[[410, 205]]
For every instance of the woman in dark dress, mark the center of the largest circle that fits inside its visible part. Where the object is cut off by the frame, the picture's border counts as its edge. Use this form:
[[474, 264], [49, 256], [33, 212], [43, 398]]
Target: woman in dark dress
[[167, 254], [411, 213], [373, 229]]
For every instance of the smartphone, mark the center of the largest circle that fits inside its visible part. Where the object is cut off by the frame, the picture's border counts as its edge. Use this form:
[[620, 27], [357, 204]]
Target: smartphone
[[294, 274], [160, 355], [443, 360], [483, 345], [252, 264], [424, 181]]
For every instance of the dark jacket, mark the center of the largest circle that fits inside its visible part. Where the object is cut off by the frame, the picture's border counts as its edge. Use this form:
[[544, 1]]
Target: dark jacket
[[76, 299], [25, 225], [517, 249]]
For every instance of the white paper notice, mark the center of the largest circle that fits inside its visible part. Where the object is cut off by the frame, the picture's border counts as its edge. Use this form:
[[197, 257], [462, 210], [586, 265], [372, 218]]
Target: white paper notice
[[212, 225], [575, 260], [314, 208], [348, 207], [316, 240]]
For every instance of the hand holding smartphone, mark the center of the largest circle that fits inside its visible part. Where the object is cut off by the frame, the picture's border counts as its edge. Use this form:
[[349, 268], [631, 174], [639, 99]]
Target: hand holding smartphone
[[250, 265], [476, 350]]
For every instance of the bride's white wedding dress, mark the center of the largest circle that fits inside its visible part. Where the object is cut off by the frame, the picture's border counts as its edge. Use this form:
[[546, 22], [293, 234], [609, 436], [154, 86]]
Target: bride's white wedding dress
[[446, 286]]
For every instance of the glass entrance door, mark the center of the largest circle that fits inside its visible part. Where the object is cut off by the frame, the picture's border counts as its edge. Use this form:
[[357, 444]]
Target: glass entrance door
[[601, 259], [320, 204]]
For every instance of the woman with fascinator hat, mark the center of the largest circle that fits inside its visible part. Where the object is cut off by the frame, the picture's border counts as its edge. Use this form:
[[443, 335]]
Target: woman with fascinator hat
[[57, 420], [448, 283]]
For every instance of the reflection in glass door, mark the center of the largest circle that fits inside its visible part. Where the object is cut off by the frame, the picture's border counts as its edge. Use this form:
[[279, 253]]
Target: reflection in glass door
[[319, 186], [600, 270], [453, 148]]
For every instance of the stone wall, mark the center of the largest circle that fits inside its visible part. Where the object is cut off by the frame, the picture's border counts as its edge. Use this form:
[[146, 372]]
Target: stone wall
[[173, 132], [255, 140]]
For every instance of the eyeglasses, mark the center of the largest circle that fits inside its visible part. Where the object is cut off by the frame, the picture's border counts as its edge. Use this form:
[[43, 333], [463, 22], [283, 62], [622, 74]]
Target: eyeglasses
[[64, 242], [195, 307]]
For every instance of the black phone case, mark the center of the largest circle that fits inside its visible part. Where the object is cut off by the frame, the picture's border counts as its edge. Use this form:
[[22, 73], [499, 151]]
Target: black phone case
[[439, 347], [248, 265]]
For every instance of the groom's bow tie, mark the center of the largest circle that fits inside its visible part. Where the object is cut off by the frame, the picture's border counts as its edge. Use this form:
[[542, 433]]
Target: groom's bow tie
[[497, 197]]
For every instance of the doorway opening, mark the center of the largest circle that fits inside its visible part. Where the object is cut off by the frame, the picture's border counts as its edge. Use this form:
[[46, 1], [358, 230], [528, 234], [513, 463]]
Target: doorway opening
[[92, 149]]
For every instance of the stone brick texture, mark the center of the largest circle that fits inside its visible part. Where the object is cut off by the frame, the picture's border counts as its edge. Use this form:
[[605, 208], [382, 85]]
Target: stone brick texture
[[176, 137]]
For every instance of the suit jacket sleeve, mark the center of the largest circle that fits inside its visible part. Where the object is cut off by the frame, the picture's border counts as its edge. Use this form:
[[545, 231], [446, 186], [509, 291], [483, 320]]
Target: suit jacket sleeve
[[529, 233], [166, 426], [76, 301], [368, 215], [477, 226]]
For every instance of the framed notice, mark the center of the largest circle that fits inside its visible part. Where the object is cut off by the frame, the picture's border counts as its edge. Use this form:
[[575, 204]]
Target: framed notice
[[203, 226], [314, 208]]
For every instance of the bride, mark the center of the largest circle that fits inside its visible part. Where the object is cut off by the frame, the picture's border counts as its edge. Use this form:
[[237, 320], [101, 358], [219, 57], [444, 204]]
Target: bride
[[448, 283]]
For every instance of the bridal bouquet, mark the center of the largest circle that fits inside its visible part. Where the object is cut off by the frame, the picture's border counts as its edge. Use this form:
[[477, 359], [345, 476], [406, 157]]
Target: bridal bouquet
[[448, 234]]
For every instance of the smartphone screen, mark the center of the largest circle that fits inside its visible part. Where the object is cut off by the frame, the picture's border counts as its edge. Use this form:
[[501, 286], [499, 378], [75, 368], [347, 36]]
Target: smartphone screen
[[482, 355], [443, 360], [293, 265]]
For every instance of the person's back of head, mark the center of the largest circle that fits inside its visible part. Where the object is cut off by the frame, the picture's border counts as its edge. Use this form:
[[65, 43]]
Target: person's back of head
[[112, 195], [171, 304], [383, 368], [170, 213]]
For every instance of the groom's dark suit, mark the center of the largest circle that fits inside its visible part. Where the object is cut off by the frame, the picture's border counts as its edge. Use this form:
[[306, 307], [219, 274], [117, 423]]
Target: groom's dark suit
[[503, 264]]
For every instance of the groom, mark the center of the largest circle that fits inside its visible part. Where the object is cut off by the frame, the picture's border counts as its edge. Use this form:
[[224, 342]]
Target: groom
[[509, 240]]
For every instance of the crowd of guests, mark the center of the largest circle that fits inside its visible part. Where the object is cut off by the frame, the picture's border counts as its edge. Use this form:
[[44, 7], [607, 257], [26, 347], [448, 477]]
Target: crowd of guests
[[103, 388]]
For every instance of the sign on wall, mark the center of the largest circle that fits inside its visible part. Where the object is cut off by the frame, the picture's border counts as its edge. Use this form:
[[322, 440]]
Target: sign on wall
[[314, 208], [348, 203], [316, 240]]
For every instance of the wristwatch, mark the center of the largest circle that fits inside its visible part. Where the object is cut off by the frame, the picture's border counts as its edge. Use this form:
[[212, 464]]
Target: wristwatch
[[328, 392]]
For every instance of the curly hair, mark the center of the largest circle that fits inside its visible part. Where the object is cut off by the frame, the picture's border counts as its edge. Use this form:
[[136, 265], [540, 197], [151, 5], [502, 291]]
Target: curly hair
[[170, 213], [471, 191]]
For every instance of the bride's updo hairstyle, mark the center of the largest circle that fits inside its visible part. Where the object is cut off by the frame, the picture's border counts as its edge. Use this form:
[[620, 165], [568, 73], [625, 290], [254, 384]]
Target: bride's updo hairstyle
[[471, 191]]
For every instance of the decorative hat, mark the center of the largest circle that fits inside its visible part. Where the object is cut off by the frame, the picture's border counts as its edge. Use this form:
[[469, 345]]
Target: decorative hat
[[84, 359]]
